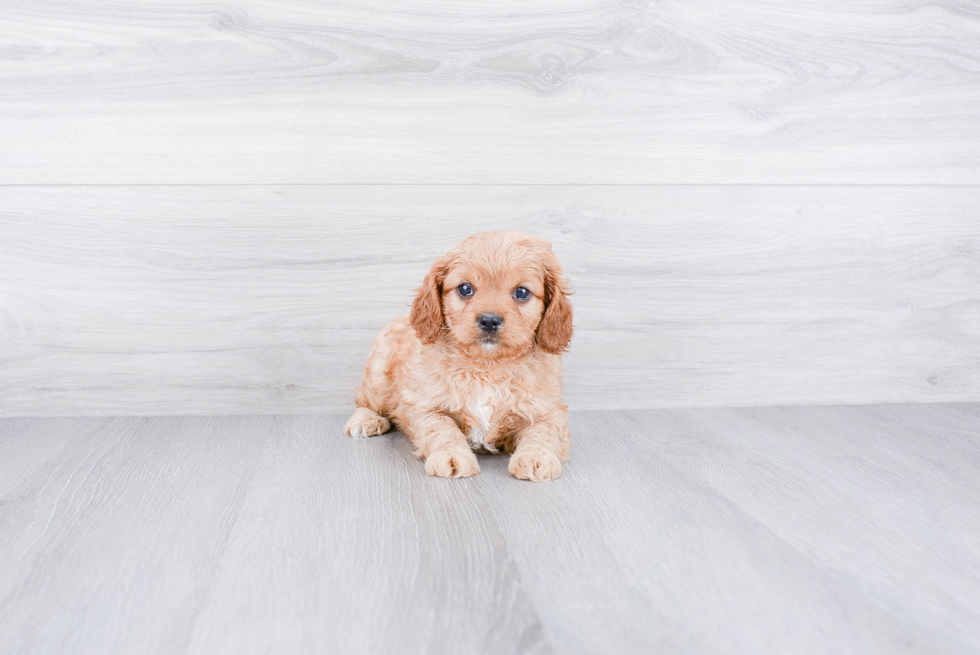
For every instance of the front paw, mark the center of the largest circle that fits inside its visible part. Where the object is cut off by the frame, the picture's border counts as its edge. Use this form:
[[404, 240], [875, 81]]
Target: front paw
[[459, 462], [366, 423], [536, 465]]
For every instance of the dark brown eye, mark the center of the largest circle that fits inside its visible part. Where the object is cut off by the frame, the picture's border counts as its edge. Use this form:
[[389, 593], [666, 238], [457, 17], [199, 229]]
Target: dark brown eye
[[521, 294], [464, 290]]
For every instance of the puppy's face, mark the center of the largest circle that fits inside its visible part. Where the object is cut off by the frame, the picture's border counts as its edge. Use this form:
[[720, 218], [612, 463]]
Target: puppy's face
[[493, 308], [497, 294]]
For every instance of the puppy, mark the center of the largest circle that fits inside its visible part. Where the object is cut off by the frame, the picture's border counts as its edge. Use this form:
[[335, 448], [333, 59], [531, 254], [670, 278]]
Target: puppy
[[477, 363]]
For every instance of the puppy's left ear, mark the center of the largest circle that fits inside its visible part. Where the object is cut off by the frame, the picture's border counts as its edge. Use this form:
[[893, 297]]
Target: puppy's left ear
[[426, 316], [555, 328]]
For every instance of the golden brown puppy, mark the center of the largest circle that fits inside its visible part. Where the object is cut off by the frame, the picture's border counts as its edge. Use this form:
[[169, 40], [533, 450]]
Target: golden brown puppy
[[477, 363]]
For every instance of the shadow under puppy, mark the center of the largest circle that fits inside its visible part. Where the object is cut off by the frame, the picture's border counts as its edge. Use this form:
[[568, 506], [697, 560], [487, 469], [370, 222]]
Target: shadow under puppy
[[477, 363]]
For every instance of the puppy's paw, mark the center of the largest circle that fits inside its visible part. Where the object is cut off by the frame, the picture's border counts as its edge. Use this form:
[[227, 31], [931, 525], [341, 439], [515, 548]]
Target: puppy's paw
[[535, 465], [457, 462], [366, 423]]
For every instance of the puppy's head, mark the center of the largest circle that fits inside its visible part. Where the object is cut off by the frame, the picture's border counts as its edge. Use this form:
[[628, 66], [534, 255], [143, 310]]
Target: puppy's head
[[496, 294]]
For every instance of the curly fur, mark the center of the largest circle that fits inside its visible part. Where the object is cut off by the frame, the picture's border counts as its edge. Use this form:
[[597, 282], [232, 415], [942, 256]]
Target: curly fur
[[453, 389]]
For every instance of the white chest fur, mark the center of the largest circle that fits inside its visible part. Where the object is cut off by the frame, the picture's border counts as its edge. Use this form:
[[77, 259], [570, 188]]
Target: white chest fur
[[480, 408]]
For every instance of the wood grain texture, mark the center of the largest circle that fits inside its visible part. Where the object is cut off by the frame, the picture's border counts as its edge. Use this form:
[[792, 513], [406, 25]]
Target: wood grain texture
[[908, 545], [210, 300], [767, 530], [346, 546], [675, 91], [646, 534], [113, 529]]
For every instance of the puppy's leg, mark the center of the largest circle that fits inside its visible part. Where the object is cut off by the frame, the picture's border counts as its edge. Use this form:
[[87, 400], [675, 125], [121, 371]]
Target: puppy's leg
[[368, 419], [541, 448], [439, 440], [366, 423]]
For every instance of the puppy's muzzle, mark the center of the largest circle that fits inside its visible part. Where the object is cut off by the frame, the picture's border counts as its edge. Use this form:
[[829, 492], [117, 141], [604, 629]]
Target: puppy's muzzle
[[489, 324]]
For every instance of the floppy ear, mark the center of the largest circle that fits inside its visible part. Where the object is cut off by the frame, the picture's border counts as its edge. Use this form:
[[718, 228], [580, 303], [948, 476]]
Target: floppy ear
[[555, 328], [426, 316]]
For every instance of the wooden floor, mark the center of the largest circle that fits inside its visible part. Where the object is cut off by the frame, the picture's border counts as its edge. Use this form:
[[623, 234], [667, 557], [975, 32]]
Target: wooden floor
[[766, 530]]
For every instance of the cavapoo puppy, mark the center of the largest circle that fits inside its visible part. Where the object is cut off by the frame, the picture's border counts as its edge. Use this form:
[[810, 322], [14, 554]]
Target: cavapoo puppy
[[477, 363]]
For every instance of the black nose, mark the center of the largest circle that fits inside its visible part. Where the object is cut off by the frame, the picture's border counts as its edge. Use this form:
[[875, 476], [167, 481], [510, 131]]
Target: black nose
[[489, 322]]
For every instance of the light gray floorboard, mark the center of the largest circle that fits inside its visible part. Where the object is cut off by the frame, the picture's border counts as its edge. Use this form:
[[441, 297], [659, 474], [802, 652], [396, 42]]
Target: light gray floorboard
[[230, 300], [646, 537], [347, 547], [490, 91], [893, 510], [822, 529], [968, 408], [112, 537]]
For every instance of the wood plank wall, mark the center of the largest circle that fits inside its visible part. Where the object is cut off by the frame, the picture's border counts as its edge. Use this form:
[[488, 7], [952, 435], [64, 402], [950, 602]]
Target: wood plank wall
[[212, 209]]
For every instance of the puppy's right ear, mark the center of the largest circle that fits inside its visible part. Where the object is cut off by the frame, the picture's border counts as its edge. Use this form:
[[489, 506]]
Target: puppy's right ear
[[426, 316]]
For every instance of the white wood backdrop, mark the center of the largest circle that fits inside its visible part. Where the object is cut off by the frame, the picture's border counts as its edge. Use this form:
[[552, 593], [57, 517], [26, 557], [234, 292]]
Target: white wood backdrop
[[490, 91], [213, 208], [264, 298]]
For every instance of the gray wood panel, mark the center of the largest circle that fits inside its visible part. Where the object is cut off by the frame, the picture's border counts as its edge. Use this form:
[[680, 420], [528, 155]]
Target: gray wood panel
[[900, 485], [767, 530], [346, 546], [700, 568], [112, 529], [210, 300], [676, 91]]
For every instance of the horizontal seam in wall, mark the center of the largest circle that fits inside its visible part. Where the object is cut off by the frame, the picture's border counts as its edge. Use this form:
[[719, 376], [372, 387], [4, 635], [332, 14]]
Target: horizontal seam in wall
[[494, 184]]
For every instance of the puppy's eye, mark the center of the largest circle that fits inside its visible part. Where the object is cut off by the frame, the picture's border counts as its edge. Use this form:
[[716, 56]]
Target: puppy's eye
[[521, 294], [465, 290]]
